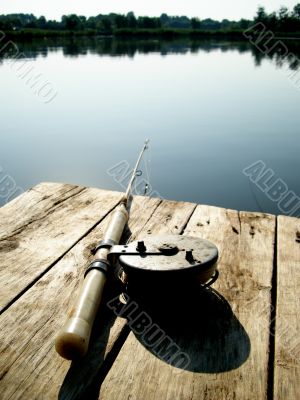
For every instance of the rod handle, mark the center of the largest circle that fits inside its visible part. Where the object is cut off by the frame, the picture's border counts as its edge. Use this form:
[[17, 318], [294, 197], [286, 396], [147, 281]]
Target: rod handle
[[73, 339]]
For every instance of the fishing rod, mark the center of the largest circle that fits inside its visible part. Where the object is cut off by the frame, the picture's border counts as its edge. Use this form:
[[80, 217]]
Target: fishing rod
[[73, 339], [171, 265]]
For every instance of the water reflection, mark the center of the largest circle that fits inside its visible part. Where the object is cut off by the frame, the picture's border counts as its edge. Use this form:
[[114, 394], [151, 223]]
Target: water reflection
[[82, 46], [207, 108]]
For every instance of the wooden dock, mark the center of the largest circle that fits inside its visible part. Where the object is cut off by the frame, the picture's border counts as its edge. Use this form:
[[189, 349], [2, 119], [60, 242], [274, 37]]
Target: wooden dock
[[242, 337]]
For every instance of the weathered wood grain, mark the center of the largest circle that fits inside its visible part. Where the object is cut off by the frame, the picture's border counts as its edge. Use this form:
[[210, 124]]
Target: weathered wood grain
[[228, 348], [287, 324], [37, 201], [40, 226], [30, 368], [225, 332]]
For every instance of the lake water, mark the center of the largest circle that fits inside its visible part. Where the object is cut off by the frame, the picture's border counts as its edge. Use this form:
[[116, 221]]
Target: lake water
[[209, 108]]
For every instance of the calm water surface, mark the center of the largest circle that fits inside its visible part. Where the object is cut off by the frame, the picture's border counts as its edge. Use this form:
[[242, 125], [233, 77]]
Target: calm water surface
[[209, 108]]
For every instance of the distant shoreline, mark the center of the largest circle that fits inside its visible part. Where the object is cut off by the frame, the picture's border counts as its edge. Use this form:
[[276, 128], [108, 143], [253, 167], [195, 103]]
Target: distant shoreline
[[283, 23]]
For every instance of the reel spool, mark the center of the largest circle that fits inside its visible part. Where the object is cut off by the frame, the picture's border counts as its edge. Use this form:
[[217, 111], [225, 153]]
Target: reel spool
[[161, 266]]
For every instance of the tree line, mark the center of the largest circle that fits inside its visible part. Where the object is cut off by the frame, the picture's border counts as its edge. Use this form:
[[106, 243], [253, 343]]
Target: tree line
[[283, 20]]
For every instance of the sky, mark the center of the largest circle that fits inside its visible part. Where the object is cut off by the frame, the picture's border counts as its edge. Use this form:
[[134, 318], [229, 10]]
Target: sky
[[216, 9]]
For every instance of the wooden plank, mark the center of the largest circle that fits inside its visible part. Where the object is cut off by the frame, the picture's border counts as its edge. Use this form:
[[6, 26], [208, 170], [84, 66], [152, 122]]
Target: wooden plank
[[37, 201], [30, 368], [287, 339], [227, 348], [50, 220], [170, 217]]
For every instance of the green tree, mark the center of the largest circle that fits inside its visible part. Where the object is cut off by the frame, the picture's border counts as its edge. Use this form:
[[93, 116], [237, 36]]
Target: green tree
[[120, 21], [261, 15], [106, 25], [283, 13], [149, 23], [131, 20], [71, 22], [283, 19], [41, 22], [83, 21], [164, 18], [296, 11], [244, 23], [195, 23]]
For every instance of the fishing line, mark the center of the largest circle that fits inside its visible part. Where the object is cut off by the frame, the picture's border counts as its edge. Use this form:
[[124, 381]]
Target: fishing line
[[143, 191], [147, 171]]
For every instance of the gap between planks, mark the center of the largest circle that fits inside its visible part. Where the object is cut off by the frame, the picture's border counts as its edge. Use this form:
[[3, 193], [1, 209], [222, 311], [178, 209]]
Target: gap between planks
[[262, 228], [52, 224], [120, 334], [20, 356]]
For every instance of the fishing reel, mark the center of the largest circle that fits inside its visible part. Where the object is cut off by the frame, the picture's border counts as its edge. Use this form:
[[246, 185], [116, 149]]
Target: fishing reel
[[165, 265]]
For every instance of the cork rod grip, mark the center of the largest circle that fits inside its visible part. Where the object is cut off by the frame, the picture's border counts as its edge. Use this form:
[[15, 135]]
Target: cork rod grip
[[73, 339]]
